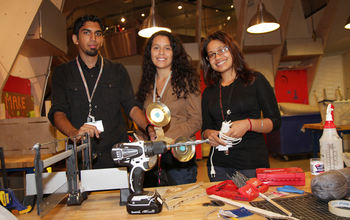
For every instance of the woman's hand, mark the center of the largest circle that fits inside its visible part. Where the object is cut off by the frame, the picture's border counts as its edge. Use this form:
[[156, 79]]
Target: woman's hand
[[238, 128], [213, 136]]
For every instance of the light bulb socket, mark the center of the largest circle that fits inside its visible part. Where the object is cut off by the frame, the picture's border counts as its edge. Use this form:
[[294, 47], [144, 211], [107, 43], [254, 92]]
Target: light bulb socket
[[153, 23], [262, 21]]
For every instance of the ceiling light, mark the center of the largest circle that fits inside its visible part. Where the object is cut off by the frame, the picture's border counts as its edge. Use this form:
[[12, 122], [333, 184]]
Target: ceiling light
[[122, 20], [179, 7], [143, 15], [153, 23], [229, 18], [347, 26], [262, 22]]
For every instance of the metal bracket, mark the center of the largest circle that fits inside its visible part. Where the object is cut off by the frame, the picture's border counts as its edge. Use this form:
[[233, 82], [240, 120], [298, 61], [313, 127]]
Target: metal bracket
[[71, 187]]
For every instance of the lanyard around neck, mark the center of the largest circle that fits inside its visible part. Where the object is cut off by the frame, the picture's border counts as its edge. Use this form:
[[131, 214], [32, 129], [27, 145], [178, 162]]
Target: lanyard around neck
[[155, 87], [85, 84], [228, 104]]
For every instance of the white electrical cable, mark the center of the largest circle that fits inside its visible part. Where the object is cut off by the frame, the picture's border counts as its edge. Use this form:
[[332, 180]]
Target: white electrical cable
[[229, 140], [212, 169]]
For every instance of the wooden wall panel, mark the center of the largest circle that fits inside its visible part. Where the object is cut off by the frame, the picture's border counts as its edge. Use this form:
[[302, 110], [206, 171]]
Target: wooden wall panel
[[16, 18], [19, 135]]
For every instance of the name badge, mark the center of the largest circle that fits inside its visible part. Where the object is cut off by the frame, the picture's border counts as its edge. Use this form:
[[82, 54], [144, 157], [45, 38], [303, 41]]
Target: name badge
[[98, 124]]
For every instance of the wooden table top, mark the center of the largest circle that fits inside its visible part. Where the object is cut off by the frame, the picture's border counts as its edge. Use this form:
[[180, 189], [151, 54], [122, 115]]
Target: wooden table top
[[105, 205], [319, 126], [22, 161]]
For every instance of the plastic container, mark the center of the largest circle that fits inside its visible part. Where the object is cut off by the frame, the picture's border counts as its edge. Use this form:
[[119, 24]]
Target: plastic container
[[281, 176], [316, 166], [229, 190], [331, 145]]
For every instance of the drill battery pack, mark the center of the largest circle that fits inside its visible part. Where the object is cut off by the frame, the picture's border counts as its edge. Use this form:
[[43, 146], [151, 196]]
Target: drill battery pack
[[281, 176], [149, 202]]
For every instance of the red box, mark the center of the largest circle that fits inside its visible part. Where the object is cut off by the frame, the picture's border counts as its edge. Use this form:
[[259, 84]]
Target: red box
[[229, 190], [281, 176]]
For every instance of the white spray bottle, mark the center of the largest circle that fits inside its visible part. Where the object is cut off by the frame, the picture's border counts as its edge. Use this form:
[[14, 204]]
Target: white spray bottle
[[331, 145]]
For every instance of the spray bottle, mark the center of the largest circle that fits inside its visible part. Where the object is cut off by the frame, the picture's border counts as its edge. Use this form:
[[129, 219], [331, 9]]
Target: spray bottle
[[331, 145]]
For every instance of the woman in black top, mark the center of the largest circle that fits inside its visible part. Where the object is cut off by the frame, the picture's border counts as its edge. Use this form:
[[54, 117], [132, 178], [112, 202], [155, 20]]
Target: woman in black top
[[239, 96]]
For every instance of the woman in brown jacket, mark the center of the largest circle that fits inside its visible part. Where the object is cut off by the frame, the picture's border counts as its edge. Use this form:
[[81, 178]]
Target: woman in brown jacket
[[168, 77]]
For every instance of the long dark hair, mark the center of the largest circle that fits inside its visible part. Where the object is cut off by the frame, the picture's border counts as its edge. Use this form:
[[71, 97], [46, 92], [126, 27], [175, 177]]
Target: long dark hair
[[239, 64], [184, 77]]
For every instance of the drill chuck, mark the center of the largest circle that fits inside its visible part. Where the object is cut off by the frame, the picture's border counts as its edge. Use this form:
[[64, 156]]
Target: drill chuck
[[156, 147]]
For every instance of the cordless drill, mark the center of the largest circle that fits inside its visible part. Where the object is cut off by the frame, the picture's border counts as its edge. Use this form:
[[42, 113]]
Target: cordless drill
[[137, 156]]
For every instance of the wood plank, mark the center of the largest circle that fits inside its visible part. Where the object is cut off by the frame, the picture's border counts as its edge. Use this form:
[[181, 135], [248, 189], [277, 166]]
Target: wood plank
[[22, 161], [319, 126]]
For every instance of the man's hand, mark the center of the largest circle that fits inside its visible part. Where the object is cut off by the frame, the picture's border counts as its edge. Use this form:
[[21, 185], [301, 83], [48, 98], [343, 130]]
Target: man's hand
[[65, 127], [90, 129]]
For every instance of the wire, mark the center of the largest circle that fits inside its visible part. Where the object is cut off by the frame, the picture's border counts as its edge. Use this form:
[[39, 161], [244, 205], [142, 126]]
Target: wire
[[229, 140]]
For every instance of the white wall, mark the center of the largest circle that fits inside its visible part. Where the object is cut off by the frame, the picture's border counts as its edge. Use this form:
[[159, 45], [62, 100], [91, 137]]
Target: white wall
[[329, 76], [135, 73], [262, 63], [346, 81], [346, 71], [35, 69]]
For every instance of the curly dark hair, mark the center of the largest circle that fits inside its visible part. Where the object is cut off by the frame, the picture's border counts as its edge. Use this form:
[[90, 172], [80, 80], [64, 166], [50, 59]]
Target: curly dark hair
[[184, 77], [239, 64]]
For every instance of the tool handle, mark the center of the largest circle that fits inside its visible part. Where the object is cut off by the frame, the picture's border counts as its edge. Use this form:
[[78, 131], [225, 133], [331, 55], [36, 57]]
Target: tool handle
[[136, 180], [290, 189], [275, 204]]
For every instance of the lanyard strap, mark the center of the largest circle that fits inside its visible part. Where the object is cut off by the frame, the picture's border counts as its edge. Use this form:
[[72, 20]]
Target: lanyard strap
[[155, 87], [85, 84], [228, 105]]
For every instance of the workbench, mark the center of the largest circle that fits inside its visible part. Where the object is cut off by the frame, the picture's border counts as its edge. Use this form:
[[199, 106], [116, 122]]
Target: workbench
[[317, 130], [22, 162], [105, 205], [17, 166]]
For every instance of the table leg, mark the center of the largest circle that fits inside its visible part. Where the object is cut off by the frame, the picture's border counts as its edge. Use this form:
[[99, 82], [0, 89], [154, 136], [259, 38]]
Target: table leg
[[314, 144]]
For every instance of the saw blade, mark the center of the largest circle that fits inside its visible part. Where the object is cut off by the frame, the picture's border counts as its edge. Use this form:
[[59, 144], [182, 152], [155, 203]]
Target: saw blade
[[52, 200]]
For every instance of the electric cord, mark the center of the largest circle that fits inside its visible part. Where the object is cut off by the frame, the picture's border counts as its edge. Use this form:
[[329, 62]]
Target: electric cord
[[212, 169], [229, 140]]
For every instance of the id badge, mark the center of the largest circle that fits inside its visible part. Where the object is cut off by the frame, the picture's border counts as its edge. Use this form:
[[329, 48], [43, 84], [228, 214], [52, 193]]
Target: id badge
[[98, 124]]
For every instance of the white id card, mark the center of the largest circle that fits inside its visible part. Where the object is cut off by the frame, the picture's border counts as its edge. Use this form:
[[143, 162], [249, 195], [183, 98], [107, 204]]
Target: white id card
[[98, 124]]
